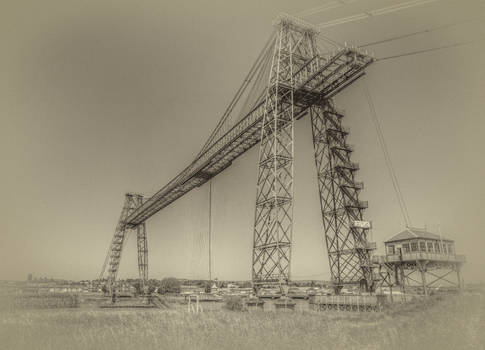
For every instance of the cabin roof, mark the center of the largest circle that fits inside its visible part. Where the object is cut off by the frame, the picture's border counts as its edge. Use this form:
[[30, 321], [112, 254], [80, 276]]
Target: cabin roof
[[412, 233]]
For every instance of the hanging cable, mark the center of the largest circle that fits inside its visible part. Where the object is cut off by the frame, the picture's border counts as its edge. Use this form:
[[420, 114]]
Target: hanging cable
[[239, 93], [325, 7], [377, 12], [252, 97], [429, 50], [210, 229], [324, 48], [428, 30], [387, 158], [330, 41]]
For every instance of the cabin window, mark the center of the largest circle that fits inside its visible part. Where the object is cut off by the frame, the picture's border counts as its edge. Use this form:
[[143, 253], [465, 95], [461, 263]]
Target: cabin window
[[414, 246], [444, 249], [391, 250], [450, 249], [437, 247], [405, 246], [422, 246], [430, 247]]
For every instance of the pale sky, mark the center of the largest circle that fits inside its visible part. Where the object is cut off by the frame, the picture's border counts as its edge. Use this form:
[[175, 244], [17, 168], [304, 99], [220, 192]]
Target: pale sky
[[99, 98]]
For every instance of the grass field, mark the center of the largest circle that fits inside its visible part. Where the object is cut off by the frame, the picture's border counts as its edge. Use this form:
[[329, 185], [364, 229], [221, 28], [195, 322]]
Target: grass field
[[453, 323]]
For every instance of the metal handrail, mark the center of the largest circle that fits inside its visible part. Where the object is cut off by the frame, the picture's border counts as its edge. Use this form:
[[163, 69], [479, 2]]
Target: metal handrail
[[419, 256]]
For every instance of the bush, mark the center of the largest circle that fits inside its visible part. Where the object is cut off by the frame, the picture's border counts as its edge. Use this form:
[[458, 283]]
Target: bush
[[169, 285], [207, 287], [151, 288], [138, 287], [235, 304]]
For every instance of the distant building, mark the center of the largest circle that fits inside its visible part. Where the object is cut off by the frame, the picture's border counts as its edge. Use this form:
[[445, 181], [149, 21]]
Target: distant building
[[191, 289]]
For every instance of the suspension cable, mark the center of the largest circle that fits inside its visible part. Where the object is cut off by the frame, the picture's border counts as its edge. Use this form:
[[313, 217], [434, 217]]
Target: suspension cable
[[330, 41], [322, 8], [428, 30], [210, 229], [463, 43], [387, 158], [254, 94], [239, 93], [376, 12]]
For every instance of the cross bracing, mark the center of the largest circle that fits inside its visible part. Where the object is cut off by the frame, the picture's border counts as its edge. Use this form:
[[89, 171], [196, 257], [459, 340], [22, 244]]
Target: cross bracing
[[347, 243]]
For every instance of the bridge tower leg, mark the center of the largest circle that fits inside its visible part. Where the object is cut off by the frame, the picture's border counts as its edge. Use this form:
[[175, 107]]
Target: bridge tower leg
[[141, 242], [112, 261], [458, 276], [273, 223], [342, 211]]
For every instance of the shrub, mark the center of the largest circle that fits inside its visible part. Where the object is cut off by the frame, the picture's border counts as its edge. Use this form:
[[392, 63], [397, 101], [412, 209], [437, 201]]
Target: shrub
[[169, 285], [235, 304]]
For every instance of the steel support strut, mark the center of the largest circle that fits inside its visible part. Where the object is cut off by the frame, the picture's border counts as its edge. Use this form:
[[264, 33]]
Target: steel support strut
[[112, 261], [273, 223], [142, 248], [342, 211]]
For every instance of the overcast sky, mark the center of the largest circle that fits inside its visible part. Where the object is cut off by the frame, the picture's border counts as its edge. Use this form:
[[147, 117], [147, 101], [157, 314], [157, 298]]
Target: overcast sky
[[103, 97]]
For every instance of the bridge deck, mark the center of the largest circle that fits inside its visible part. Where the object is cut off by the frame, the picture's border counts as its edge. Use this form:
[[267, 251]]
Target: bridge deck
[[320, 77]]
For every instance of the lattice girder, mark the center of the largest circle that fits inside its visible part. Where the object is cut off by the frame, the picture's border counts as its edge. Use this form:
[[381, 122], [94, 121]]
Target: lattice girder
[[112, 262], [347, 245], [273, 223], [142, 249]]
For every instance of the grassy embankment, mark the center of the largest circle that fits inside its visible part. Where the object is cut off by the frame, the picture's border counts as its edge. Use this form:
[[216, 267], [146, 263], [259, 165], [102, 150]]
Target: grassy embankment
[[453, 323]]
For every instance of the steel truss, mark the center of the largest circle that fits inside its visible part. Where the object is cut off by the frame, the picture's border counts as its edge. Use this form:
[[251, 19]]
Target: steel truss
[[423, 274], [142, 249], [314, 77], [386, 275], [342, 211], [273, 222], [112, 261]]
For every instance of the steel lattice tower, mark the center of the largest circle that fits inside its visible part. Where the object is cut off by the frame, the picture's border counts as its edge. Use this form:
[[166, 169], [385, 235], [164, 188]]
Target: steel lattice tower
[[342, 211], [112, 261], [142, 248], [273, 223]]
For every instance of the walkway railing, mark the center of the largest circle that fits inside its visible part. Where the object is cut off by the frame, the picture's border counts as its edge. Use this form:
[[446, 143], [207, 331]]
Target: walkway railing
[[406, 257]]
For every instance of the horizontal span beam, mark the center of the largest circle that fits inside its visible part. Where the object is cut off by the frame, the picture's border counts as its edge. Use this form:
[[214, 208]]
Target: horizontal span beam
[[319, 78]]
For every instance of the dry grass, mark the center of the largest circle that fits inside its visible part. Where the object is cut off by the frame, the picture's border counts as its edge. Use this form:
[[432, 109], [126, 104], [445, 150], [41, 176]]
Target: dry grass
[[453, 323], [39, 301]]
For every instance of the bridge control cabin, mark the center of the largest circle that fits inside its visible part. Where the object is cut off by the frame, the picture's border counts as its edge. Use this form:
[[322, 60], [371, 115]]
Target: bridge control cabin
[[418, 258], [412, 241]]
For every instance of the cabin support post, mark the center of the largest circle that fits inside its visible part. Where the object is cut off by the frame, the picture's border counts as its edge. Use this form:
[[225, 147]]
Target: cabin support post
[[458, 276], [422, 268]]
